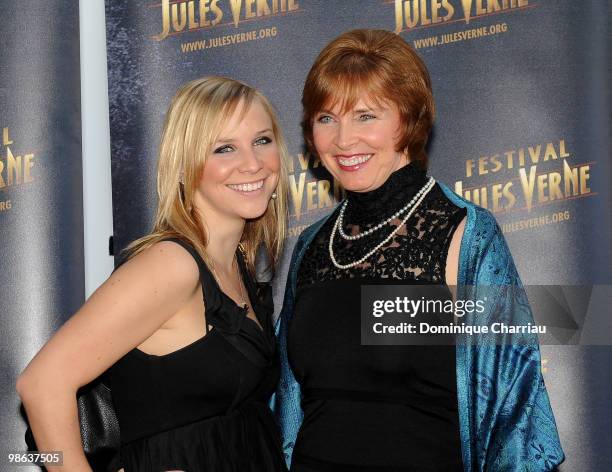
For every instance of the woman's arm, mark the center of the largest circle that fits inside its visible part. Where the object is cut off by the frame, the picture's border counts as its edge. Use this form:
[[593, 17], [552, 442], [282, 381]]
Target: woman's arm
[[128, 308], [509, 424], [523, 434], [452, 258]]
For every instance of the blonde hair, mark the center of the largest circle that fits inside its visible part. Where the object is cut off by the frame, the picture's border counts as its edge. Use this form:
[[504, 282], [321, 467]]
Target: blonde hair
[[196, 116]]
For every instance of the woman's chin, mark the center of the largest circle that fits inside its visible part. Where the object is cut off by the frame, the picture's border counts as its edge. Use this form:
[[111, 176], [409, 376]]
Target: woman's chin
[[353, 184], [252, 210]]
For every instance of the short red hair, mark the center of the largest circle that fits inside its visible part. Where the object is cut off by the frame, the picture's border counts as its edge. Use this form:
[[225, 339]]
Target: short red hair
[[381, 65]]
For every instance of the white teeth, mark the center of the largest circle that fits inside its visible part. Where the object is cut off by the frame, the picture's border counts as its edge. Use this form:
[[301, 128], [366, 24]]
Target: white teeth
[[353, 161], [251, 187]]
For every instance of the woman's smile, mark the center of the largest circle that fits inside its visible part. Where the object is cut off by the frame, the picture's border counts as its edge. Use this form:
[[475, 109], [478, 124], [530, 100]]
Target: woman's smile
[[248, 188], [352, 162]]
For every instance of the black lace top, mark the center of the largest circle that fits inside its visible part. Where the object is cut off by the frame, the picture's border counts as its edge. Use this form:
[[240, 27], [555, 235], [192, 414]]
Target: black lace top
[[374, 408], [418, 250]]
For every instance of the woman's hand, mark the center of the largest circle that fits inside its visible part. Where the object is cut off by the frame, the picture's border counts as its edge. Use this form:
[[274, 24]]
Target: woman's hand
[[128, 308]]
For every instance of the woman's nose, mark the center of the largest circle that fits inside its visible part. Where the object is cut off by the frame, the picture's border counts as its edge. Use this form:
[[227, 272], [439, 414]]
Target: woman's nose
[[251, 162], [346, 136]]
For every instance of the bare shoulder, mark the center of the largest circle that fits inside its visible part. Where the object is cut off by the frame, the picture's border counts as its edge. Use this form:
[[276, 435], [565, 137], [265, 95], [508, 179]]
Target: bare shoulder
[[137, 299], [165, 261], [458, 234], [452, 258]]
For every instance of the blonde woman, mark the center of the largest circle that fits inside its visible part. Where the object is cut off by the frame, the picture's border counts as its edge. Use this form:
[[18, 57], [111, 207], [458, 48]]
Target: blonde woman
[[182, 327]]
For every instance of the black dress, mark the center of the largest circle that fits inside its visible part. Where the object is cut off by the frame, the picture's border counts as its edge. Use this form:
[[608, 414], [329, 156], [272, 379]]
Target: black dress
[[374, 408], [204, 407]]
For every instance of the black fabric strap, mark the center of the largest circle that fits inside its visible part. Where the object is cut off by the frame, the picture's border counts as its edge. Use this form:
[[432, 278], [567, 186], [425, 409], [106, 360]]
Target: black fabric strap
[[203, 268]]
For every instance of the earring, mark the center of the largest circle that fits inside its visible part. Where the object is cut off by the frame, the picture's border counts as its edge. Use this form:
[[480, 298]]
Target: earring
[[274, 196]]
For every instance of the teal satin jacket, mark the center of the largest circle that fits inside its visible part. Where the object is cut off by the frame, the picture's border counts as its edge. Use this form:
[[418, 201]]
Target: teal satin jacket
[[505, 419]]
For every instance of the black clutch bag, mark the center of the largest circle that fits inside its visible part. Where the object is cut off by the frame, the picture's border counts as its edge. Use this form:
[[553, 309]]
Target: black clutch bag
[[99, 427]]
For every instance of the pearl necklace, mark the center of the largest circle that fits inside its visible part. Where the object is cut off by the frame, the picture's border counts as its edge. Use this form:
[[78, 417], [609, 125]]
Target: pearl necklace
[[423, 193], [382, 223]]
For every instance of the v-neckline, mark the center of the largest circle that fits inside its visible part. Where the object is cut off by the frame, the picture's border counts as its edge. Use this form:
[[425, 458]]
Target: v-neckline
[[241, 272]]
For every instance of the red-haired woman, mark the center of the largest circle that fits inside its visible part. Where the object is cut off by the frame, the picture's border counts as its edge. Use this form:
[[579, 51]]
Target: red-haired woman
[[344, 406]]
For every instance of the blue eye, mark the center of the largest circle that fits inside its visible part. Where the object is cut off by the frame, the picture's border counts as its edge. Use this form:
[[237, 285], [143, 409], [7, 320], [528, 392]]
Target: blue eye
[[223, 149], [263, 140], [324, 119]]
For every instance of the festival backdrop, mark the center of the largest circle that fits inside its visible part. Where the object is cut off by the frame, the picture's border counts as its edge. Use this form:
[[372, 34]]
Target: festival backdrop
[[41, 202], [522, 128]]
